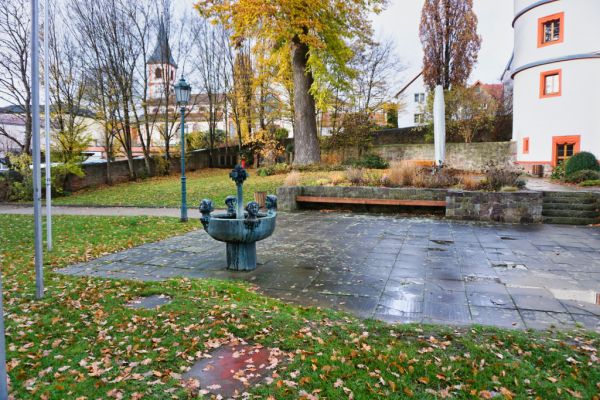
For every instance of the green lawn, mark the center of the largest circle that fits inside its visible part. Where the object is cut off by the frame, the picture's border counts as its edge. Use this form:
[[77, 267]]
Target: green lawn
[[166, 191], [80, 342]]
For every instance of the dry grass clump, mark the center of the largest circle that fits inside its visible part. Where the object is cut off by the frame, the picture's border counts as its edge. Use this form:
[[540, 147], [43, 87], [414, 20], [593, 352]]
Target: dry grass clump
[[403, 173], [337, 178], [292, 179], [356, 176], [469, 182]]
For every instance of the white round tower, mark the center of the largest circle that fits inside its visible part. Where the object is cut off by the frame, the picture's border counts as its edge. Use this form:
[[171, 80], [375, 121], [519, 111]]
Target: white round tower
[[556, 72]]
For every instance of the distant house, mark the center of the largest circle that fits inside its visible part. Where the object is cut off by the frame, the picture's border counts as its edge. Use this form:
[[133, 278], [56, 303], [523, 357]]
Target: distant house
[[13, 122], [414, 95]]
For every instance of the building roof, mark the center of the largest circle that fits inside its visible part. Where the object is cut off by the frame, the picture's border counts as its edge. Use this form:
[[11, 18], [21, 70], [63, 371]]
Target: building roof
[[162, 52], [15, 109], [506, 73], [409, 83], [496, 90]]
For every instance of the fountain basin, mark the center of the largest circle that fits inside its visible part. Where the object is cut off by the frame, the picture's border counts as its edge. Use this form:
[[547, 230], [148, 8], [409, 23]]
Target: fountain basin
[[227, 229]]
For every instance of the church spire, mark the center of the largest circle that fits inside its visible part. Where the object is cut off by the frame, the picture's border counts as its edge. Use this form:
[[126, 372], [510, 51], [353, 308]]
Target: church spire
[[162, 52]]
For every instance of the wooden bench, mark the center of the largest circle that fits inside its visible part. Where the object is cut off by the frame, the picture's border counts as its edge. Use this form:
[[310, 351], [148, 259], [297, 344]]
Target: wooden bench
[[367, 201]]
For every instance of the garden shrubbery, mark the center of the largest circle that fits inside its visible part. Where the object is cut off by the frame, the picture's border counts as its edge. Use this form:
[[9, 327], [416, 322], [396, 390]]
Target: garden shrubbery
[[581, 161], [582, 175], [582, 169]]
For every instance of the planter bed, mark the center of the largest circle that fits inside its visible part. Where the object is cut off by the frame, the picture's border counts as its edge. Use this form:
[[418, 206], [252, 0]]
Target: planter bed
[[509, 207]]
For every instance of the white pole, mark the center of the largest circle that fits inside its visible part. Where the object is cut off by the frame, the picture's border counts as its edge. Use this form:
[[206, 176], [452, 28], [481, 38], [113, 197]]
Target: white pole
[[439, 125], [47, 128], [3, 376], [35, 130]]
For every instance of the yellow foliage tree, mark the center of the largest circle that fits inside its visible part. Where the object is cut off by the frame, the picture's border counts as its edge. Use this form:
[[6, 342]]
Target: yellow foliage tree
[[316, 34]]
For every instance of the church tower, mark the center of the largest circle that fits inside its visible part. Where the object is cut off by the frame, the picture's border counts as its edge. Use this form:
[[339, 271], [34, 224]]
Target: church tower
[[161, 66]]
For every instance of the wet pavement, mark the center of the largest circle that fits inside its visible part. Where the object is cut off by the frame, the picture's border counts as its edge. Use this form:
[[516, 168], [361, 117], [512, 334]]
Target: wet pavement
[[399, 269]]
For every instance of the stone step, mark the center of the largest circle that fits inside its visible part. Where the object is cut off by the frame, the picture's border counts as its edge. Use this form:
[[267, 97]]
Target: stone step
[[571, 221], [571, 206], [570, 194], [570, 213], [570, 200]]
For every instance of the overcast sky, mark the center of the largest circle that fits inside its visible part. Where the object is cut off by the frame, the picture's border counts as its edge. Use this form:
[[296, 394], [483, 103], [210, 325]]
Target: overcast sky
[[401, 21]]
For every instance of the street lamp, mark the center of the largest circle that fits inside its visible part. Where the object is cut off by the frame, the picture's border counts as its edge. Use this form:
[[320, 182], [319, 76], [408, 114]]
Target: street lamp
[[182, 95]]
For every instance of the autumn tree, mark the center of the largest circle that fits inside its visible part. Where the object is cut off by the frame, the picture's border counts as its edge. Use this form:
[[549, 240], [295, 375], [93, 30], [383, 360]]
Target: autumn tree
[[450, 41], [470, 111], [314, 33]]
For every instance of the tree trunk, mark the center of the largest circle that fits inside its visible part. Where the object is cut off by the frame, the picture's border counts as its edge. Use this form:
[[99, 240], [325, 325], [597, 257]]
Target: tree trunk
[[306, 143]]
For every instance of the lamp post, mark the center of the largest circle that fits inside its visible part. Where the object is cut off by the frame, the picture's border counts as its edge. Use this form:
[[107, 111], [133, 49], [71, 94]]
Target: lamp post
[[182, 95]]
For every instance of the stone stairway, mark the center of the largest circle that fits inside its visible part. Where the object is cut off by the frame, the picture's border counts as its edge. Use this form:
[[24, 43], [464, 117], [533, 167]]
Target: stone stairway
[[572, 208]]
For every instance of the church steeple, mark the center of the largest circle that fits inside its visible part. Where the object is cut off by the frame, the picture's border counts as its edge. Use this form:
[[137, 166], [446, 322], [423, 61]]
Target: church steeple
[[162, 51], [161, 66]]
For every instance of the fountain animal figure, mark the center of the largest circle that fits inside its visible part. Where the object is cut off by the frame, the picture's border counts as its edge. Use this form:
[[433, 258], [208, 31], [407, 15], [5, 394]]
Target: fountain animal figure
[[238, 229]]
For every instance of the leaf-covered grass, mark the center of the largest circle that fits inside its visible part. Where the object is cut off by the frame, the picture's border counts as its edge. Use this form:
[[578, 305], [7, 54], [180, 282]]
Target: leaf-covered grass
[[81, 342], [166, 191]]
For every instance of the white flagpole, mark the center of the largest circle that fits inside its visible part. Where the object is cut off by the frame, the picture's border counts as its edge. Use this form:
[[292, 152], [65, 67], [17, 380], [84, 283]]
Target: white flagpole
[[35, 130], [47, 127]]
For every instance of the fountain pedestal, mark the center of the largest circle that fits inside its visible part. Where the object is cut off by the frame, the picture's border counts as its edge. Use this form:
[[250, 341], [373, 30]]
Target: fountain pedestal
[[241, 256]]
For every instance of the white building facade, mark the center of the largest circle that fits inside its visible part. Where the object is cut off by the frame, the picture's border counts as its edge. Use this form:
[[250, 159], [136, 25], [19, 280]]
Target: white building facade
[[413, 102], [556, 80]]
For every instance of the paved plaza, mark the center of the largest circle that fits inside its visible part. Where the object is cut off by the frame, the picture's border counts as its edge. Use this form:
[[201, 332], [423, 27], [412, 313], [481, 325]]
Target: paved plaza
[[399, 269]]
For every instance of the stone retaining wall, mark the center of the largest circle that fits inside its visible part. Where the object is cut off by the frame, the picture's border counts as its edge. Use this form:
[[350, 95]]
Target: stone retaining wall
[[465, 156], [509, 207], [95, 174], [517, 207]]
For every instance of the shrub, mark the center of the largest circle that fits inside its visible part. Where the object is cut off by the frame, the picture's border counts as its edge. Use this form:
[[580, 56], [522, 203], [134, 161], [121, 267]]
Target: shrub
[[496, 177], [161, 165], [281, 168], [580, 162], [4, 188], [583, 175], [439, 179], [292, 179], [356, 176], [372, 161], [265, 171], [322, 182], [595, 182], [558, 172], [60, 173], [403, 173], [331, 158]]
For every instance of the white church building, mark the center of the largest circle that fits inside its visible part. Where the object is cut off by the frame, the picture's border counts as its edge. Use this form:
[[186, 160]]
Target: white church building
[[555, 72]]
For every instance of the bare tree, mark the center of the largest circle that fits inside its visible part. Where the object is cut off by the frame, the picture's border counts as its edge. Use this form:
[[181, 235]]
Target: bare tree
[[15, 87], [68, 86], [209, 62], [377, 67], [105, 23]]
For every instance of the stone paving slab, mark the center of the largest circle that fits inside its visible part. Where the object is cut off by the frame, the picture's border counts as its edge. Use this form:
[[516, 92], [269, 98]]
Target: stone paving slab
[[399, 269]]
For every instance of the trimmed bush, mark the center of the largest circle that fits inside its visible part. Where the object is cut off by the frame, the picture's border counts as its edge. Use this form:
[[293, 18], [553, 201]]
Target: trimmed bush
[[370, 161], [583, 175], [581, 161]]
